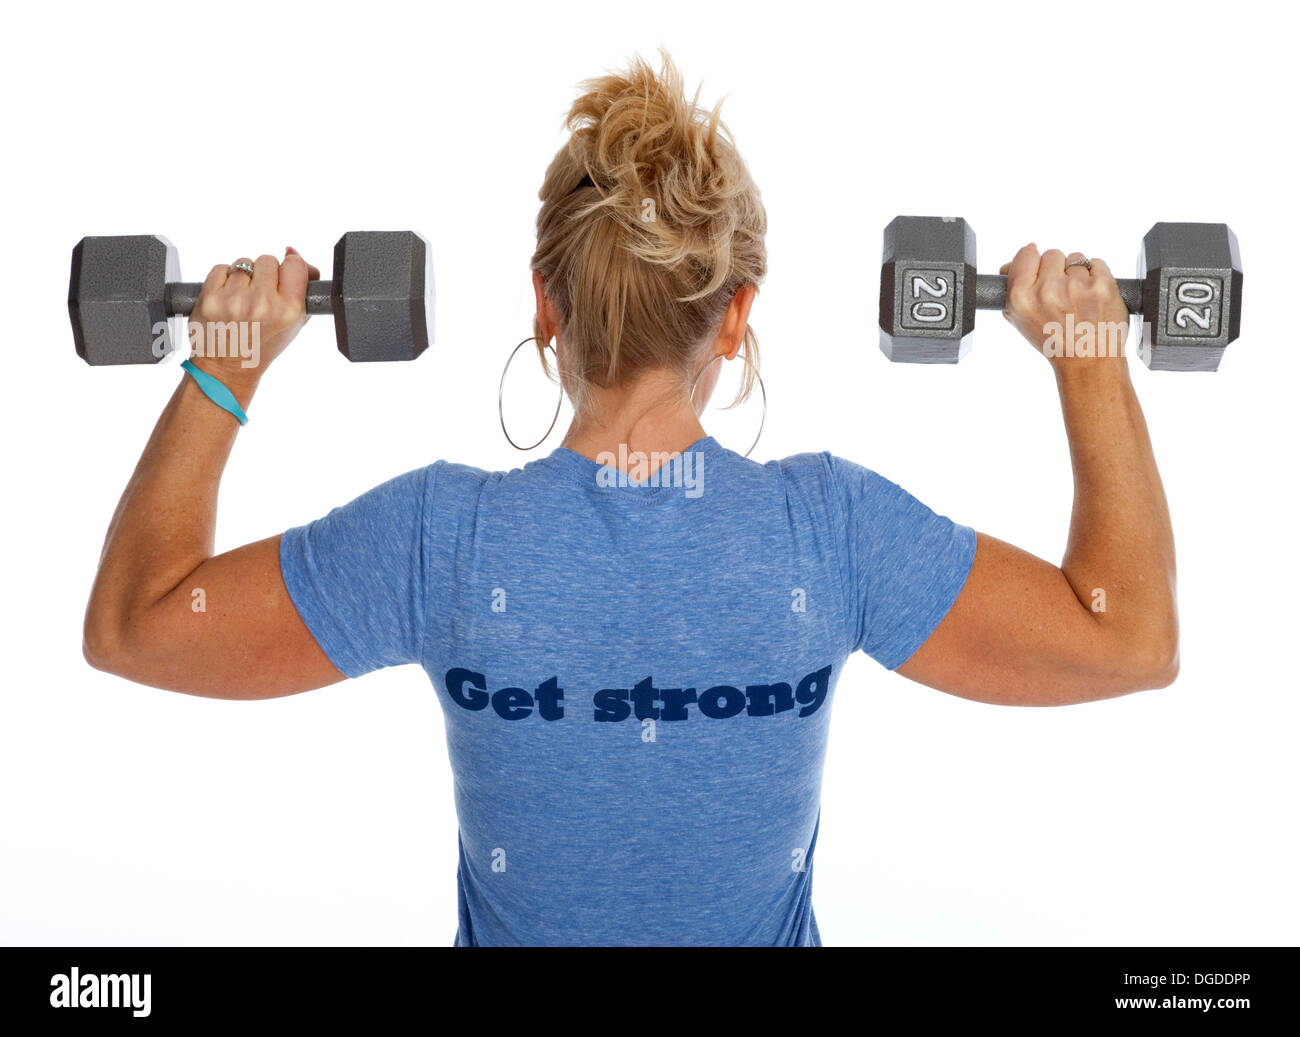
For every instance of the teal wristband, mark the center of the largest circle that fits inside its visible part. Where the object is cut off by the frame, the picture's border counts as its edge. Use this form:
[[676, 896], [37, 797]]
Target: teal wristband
[[215, 391]]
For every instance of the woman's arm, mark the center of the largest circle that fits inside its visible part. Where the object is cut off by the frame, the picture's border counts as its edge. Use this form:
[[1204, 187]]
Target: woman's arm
[[144, 620], [1105, 622]]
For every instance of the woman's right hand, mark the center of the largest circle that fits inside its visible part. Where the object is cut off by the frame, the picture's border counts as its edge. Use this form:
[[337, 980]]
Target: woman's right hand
[[1043, 292]]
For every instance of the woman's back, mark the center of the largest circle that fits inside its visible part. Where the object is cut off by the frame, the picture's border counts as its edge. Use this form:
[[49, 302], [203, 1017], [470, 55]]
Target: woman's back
[[637, 679]]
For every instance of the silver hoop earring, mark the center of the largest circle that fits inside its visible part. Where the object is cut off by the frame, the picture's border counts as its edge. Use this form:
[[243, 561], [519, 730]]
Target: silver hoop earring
[[501, 390], [761, 388]]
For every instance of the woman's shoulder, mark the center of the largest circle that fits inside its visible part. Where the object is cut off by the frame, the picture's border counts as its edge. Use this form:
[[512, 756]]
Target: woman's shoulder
[[824, 468]]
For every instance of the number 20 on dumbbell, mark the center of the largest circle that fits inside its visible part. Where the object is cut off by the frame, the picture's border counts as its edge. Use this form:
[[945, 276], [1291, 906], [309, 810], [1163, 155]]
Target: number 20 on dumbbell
[[1187, 292]]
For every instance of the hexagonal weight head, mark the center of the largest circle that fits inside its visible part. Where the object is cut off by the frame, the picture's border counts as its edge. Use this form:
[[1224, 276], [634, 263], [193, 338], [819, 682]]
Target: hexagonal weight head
[[382, 294], [927, 289], [116, 298], [1191, 295]]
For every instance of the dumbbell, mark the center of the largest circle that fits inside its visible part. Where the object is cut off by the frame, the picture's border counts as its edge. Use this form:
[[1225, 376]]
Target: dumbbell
[[1188, 292], [123, 290]]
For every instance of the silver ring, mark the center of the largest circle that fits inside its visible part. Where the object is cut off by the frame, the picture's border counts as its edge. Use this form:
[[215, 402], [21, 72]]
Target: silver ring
[[1085, 262], [243, 266]]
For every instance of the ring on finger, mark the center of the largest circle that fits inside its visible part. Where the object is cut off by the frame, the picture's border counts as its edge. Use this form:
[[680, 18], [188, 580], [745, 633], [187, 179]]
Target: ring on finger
[[1085, 262], [243, 266]]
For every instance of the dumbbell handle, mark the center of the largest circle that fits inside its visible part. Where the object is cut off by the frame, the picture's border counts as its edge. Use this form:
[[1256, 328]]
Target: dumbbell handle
[[180, 297], [991, 292]]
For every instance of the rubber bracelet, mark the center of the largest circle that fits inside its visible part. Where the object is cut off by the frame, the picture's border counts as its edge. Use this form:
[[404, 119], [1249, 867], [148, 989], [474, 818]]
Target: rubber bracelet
[[216, 391]]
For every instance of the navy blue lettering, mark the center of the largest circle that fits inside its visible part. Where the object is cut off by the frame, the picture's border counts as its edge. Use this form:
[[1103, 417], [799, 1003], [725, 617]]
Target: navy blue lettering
[[512, 703], [768, 699], [611, 704], [550, 699], [711, 705], [675, 700], [476, 697], [643, 700], [812, 690]]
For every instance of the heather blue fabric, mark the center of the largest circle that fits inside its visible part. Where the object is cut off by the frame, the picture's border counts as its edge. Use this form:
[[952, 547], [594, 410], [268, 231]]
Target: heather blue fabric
[[637, 679]]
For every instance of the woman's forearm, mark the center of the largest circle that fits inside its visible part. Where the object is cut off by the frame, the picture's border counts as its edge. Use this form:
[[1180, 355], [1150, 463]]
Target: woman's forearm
[[1119, 558]]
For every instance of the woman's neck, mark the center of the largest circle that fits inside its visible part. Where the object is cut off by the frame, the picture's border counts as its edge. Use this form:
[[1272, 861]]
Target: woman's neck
[[653, 420]]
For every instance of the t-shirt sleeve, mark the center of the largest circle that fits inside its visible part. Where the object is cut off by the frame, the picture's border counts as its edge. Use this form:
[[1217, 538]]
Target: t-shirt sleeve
[[357, 575], [905, 563]]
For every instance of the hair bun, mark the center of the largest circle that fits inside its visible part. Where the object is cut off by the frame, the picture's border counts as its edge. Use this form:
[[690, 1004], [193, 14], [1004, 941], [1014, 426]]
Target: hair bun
[[663, 166], [650, 222]]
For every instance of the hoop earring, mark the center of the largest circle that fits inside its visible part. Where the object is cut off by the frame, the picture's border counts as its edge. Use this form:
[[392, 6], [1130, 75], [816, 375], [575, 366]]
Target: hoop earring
[[501, 389], [761, 388]]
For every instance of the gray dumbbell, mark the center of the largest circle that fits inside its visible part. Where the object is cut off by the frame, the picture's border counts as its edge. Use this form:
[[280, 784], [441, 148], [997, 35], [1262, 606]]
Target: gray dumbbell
[[1188, 292], [124, 289]]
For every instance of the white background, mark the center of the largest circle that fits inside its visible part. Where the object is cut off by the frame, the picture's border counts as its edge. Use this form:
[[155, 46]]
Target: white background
[[130, 815]]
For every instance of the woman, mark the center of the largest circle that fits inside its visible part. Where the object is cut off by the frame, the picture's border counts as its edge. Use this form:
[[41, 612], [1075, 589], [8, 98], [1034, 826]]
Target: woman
[[636, 638]]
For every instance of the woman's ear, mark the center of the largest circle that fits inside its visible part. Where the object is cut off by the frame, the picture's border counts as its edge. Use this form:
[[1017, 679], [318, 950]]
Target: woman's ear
[[731, 336], [548, 321]]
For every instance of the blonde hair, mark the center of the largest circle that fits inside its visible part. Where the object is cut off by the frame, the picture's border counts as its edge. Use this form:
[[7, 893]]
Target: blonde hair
[[649, 225]]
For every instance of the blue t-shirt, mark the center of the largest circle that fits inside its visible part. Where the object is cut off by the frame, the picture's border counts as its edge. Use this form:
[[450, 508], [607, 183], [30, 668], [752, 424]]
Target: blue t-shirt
[[637, 677]]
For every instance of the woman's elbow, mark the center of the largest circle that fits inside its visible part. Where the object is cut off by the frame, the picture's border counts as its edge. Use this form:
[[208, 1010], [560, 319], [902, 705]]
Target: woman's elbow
[[1165, 672], [99, 650], [105, 643], [1128, 662], [1153, 663]]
